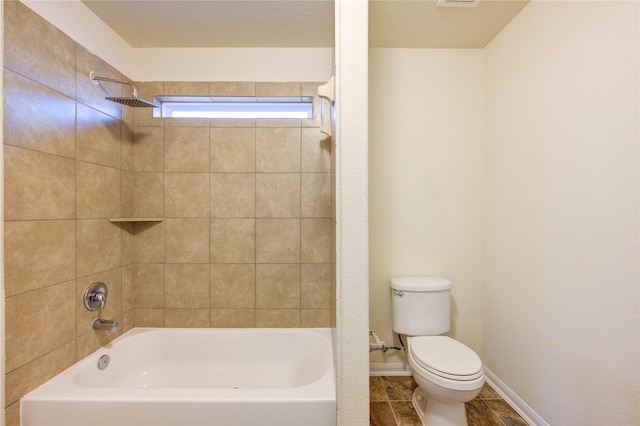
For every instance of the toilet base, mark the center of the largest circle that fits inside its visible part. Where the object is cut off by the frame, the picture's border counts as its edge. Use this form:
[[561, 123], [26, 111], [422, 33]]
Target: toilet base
[[437, 413]]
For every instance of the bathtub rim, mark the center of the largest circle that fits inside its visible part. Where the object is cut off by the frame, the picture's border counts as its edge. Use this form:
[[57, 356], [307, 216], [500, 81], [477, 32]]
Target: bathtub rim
[[63, 388]]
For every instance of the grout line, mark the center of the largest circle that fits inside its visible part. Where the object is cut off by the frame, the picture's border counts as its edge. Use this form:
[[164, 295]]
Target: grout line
[[393, 413]]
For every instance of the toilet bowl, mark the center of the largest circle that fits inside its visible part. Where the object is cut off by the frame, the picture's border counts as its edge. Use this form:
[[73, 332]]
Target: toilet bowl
[[448, 373]]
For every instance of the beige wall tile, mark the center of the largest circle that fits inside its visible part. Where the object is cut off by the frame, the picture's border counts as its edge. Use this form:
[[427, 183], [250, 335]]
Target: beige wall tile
[[30, 376], [316, 195], [278, 318], [233, 240], [186, 318], [184, 122], [186, 286], [128, 321], [278, 89], [128, 288], [233, 286], [127, 147], [12, 414], [278, 122], [277, 150], [53, 132], [310, 88], [38, 254], [230, 123], [278, 240], [316, 151], [315, 286], [233, 150], [186, 194], [23, 341], [186, 240], [315, 318], [37, 49], [233, 195], [98, 137], [186, 149], [94, 95], [186, 88], [149, 317], [232, 318], [98, 193], [99, 246], [148, 149], [38, 185], [113, 307], [232, 88], [149, 195], [277, 286], [316, 240], [277, 195], [149, 242], [149, 285], [128, 193]]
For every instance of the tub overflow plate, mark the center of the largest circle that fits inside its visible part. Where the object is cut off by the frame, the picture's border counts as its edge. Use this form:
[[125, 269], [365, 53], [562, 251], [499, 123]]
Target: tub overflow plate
[[103, 362]]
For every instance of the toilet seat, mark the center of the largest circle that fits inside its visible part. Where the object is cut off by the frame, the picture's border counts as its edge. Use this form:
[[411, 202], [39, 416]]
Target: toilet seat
[[445, 357]]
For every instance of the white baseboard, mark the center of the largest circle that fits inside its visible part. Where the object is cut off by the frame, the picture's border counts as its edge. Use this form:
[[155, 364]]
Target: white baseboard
[[514, 400], [389, 369]]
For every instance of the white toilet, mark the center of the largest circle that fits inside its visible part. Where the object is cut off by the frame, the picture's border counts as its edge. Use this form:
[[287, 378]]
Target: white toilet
[[448, 373]]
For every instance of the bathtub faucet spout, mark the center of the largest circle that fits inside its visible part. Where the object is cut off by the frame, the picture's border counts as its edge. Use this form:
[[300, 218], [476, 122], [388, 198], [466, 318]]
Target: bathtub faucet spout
[[110, 325]]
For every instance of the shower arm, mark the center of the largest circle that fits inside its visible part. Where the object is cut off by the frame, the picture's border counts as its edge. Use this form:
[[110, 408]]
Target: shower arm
[[96, 80]]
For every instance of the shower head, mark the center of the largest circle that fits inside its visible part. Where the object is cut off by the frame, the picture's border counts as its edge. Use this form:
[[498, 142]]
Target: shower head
[[133, 101]]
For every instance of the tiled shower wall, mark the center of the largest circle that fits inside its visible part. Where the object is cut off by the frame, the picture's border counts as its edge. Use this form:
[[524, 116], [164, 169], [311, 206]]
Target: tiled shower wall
[[246, 237], [68, 161]]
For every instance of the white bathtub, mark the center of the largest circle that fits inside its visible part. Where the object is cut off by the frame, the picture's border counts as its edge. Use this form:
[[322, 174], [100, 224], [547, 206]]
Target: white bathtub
[[186, 377]]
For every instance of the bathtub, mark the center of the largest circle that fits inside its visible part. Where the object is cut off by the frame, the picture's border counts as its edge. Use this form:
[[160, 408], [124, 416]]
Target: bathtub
[[165, 376]]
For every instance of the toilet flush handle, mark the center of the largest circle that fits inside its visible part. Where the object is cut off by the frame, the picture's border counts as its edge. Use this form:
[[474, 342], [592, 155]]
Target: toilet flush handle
[[397, 292]]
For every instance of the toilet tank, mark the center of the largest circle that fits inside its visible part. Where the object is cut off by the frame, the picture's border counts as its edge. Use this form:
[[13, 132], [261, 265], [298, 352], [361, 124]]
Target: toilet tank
[[421, 306]]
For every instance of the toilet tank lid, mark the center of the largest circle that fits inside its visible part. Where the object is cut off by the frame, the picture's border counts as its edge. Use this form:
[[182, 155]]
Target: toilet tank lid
[[420, 283]]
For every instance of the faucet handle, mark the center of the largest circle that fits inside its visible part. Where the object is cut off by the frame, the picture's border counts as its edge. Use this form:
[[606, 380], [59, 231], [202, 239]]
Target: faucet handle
[[95, 296]]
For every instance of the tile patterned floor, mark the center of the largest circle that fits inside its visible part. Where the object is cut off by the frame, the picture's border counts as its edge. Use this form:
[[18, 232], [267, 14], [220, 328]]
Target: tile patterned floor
[[390, 399]]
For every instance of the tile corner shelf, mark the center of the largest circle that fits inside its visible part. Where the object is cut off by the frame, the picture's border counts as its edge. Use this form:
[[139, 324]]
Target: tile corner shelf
[[135, 219]]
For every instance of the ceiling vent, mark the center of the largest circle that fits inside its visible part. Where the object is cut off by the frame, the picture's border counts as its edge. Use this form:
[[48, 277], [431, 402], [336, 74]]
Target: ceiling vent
[[458, 3]]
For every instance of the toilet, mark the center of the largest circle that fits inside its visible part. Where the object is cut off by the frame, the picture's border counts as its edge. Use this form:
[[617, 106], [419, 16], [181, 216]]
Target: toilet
[[448, 373]]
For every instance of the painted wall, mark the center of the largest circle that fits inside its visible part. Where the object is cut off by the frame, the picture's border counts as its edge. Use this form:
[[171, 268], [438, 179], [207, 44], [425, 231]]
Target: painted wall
[[233, 64], [352, 113], [426, 180], [560, 311], [535, 216]]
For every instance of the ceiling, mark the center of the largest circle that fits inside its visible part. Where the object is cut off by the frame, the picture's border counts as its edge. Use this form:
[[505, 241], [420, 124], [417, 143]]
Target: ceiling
[[300, 23]]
